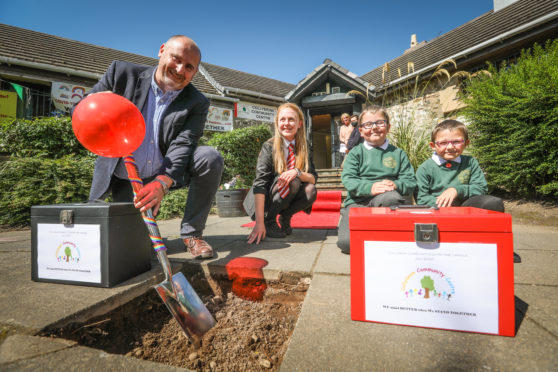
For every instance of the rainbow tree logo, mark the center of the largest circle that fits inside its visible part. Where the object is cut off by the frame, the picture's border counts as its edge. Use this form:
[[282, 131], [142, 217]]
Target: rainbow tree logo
[[428, 283], [68, 252]]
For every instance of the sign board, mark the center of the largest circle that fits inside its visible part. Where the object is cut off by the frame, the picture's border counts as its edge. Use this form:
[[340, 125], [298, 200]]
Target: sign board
[[219, 119], [70, 253], [252, 111], [8, 105], [65, 96], [454, 286]]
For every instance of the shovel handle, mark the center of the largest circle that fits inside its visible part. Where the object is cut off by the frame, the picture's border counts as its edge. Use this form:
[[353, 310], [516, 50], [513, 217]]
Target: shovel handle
[[148, 217]]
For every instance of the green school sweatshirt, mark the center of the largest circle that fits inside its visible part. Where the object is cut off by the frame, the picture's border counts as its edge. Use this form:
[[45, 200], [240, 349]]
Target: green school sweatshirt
[[466, 177], [363, 167]]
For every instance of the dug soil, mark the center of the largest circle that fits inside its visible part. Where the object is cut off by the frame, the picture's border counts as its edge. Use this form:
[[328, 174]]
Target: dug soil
[[249, 335]]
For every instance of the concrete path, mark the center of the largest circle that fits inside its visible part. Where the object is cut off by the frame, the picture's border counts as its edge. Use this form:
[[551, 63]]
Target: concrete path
[[325, 338]]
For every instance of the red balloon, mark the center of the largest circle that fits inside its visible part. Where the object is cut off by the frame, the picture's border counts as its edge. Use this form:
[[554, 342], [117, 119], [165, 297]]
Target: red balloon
[[108, 124]]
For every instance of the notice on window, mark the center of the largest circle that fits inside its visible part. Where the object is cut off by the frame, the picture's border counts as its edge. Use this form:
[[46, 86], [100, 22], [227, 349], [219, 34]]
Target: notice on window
[[71, 253], [449, 285]]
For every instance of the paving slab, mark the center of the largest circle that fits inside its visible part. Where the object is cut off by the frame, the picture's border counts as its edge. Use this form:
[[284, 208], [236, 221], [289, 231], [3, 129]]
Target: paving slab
[[332, 261], [326, 339], [295, 254], [537, 267], [34, 306], [528, 237], [80, 358], [20, 347], [541, 305]]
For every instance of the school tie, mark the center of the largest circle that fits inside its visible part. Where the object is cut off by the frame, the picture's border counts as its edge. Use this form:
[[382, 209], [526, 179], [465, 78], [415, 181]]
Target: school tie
[[284, 190]]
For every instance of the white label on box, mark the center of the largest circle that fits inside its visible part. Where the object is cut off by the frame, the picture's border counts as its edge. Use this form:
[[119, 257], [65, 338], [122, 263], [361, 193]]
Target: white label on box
[[453, 286], [70, 253]]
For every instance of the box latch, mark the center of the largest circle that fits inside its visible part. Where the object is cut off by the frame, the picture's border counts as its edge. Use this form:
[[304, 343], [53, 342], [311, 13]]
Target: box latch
[[67, 217], [426, 233]]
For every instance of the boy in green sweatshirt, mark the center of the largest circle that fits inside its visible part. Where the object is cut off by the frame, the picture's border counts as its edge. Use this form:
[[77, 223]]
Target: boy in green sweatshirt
[[450, 178], [375, 173]]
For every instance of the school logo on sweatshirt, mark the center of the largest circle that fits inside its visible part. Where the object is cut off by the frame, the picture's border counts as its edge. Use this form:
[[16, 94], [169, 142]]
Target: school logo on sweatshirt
[[389, 162], [464, 176]]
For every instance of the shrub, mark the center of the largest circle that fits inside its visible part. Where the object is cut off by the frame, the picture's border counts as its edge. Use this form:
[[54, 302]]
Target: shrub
[[240, 149], [25, 182], [408, 135], [173, 204], [50, 137], [514, 123]]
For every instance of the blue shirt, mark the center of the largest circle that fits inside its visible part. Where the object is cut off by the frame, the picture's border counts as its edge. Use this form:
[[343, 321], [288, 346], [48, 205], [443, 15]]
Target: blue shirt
[[148, 156]]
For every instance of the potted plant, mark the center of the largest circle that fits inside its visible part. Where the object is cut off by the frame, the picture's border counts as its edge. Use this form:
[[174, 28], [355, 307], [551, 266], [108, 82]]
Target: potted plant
[[229, 198]]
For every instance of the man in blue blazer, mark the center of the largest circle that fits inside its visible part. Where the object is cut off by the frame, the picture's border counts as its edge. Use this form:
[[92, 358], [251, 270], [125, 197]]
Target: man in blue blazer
[[175, 113]]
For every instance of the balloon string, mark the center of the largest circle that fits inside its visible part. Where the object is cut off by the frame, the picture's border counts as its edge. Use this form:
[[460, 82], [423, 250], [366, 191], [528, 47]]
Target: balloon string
[[150, 222]]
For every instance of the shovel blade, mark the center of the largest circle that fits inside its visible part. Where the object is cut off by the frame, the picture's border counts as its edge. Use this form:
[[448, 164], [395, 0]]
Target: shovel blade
[[186, 307]]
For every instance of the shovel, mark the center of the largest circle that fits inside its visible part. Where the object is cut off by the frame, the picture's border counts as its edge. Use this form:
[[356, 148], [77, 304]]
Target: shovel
[[109, 125], [175, 291]]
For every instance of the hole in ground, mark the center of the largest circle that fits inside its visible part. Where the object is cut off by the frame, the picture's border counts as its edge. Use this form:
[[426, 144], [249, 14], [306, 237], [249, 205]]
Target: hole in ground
[[249, 335]]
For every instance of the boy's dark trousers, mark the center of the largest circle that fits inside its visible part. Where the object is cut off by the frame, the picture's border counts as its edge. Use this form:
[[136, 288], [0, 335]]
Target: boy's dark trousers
[[386, 199], [489, 202]]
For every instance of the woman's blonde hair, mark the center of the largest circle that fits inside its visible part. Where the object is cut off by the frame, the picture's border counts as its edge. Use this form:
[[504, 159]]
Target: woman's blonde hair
[[301, 148]]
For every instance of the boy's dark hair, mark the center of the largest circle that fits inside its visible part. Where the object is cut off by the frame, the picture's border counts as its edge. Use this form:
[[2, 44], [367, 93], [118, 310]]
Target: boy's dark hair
[[451, 125], [372, 110], [354, 116]]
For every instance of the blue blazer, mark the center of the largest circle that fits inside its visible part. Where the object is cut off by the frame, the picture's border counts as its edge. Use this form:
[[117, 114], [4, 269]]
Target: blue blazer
[[181, 127]]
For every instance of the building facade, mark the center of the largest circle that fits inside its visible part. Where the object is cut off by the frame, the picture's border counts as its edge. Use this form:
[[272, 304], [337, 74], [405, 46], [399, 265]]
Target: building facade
[[43, 75]]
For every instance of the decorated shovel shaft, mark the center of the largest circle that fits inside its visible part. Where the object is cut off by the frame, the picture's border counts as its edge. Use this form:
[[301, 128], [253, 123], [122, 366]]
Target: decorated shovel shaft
[[148, 218]]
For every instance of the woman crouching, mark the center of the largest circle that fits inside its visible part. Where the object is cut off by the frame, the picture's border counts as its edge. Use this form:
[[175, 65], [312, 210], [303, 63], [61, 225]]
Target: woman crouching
[[285, 177]]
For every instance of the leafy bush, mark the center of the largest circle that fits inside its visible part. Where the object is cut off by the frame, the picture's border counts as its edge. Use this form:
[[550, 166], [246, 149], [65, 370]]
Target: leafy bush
[[50, 137], [514, 123], [240, 149], [25, 182], [173, 204]]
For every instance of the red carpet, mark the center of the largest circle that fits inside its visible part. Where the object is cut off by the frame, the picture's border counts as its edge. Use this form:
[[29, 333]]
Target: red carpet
[[325, 213]]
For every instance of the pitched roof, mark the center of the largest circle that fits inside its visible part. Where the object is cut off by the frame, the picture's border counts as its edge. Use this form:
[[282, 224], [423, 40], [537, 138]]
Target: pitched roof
[[19, 44], [491, 27], [328, 70], [229, 78]]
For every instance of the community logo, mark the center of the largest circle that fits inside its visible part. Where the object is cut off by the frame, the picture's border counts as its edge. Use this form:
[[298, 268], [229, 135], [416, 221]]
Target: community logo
[[68, 252], [389, 162], [428, 283]]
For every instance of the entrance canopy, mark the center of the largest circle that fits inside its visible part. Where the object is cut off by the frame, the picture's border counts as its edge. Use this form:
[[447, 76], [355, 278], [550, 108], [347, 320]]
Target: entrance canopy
[[323, 96]]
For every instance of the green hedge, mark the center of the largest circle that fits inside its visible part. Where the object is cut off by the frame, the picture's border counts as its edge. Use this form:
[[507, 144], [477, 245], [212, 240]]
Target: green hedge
[[240, 149], [25, 182], [49, 166], [49, 137], [173, 204], [514, 123]]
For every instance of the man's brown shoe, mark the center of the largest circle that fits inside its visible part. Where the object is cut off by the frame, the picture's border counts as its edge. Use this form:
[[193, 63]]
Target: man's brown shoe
[[198, 247]]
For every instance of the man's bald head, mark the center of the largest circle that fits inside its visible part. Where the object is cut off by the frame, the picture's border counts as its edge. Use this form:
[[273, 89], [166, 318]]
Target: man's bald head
[[179, 59]]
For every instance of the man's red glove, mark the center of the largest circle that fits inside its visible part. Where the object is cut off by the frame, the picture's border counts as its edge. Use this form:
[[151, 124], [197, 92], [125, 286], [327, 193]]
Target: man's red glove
[[150, 197]]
